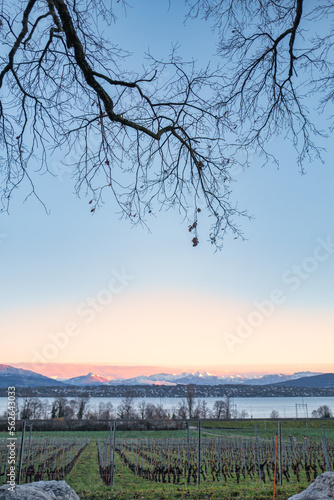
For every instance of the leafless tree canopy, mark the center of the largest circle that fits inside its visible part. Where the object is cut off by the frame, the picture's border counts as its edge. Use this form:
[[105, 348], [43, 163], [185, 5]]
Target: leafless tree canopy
[[279, 67], [163, 138]]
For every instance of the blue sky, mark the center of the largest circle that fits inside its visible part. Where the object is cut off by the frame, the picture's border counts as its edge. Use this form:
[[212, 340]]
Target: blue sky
[[52, 263]]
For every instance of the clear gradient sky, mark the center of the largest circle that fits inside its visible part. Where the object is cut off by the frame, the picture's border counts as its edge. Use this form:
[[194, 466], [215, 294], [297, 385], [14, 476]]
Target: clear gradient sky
[[92, 290]]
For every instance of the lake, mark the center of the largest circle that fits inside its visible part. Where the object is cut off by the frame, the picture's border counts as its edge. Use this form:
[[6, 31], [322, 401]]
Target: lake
[[287, 407]]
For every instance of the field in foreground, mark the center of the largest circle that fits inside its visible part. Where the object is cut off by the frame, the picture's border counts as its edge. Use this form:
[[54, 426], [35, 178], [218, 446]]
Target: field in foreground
[[229, 462]]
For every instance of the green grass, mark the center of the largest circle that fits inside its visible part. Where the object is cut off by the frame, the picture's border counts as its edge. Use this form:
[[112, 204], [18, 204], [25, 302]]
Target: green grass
[[85, 480], [311, 428], [104, 434], [268, 427]]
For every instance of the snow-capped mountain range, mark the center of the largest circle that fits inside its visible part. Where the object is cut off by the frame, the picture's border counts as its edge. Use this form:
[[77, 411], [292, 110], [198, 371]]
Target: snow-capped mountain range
[[197, 378], [27, 378]]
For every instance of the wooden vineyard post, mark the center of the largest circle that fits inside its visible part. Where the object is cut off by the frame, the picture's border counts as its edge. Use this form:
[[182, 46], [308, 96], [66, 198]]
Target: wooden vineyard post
[[29, 445], [21, 450], [110, 451], [168, 461], [112, 464], [280, 453], [275, 467], [324, 446], [62, 451], [165, 453], [56, 454], [188, 449], [45, 458], [257, 453], [199, 453]]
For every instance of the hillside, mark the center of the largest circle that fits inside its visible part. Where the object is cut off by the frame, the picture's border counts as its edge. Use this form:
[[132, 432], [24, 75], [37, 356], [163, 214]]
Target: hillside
[[17, 377], [325, 380]]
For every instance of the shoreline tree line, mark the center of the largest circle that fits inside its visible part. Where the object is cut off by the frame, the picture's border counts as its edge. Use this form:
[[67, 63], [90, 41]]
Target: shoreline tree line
[[191, 407]]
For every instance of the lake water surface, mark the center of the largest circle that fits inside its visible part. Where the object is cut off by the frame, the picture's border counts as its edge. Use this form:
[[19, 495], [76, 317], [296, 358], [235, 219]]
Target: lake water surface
[[288, 407]]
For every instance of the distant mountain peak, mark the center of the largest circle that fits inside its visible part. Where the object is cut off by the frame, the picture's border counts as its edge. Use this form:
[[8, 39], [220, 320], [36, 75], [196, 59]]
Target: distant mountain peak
[[18, 377], [89, 379]]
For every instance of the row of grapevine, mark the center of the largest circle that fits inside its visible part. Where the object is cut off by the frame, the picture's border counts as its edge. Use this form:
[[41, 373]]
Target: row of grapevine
[[221, 459], [174, 461], [41, 458]]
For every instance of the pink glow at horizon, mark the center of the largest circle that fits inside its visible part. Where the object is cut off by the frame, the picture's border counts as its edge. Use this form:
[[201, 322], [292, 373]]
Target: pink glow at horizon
[[143, 334], [68, 370]]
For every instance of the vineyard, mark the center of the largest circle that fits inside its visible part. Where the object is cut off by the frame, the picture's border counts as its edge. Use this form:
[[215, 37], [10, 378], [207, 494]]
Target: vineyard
[[43, 459], [190, 467]]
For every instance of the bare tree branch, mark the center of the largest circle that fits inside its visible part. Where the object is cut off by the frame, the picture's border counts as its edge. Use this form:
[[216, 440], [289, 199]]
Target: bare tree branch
[[167, 137], [275, 62], [152, 142]]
